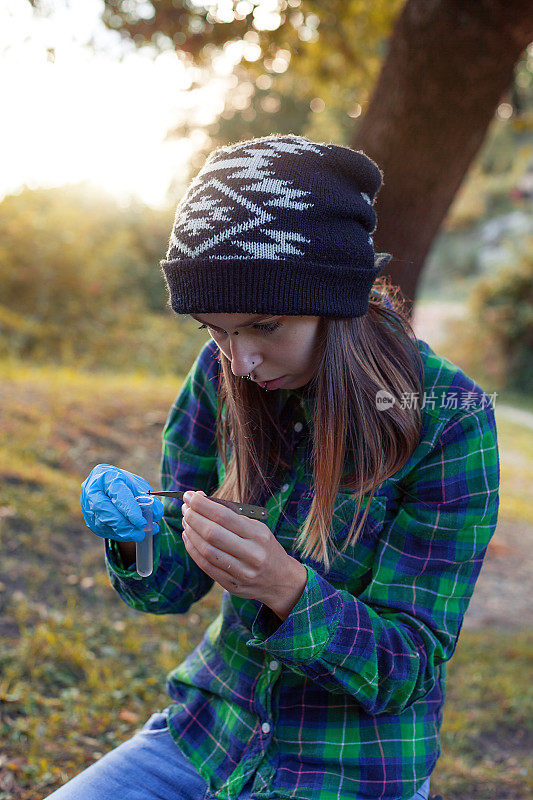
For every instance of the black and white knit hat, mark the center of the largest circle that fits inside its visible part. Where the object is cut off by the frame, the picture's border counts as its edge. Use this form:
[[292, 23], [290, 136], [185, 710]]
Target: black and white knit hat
[[276, 225]]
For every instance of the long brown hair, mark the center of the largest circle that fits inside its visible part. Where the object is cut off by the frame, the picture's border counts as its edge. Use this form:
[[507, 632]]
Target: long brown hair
[[357, 357]]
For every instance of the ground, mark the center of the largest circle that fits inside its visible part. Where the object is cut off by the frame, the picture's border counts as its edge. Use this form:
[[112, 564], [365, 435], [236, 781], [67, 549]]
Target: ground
[[80, 671]]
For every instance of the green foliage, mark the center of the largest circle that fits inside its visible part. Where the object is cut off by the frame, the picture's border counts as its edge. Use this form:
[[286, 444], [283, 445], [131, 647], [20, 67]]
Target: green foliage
[[502, 305], [454, 264], [325, 42], [63, 256], [80, 281], [494, 341], [322, 62], [309, 68]]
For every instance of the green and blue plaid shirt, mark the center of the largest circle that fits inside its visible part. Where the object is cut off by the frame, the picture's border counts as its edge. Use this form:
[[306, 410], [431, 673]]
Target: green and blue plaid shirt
[[344, 698]]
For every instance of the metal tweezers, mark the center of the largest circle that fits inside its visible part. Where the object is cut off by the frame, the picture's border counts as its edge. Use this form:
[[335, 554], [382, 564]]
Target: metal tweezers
[[253, 512]]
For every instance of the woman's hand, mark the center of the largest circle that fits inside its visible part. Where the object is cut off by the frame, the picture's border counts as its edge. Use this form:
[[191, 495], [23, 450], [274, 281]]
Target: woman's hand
[[241, 554]]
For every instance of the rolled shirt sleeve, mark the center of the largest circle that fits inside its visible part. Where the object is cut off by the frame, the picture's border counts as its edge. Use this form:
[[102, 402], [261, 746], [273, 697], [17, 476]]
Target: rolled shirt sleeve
[[384, 646], [188, 461]]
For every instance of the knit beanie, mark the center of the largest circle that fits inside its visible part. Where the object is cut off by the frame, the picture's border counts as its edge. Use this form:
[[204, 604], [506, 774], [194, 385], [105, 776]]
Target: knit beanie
[[276, 225]]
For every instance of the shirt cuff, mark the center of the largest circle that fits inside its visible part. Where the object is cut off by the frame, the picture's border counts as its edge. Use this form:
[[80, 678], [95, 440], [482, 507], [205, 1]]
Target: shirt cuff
[[307, 630]]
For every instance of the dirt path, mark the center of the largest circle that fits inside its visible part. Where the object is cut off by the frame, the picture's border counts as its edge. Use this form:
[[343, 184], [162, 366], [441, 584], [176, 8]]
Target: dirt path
[[518, 415], [502, 594]]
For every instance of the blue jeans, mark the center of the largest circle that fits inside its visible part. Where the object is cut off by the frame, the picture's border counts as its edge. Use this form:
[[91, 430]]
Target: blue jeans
[[149, 766]]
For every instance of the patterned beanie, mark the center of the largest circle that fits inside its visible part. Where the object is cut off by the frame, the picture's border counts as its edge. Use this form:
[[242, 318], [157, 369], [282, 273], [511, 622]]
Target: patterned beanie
[[276, 225]]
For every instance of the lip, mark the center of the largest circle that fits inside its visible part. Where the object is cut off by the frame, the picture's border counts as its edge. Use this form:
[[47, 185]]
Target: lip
[[274, 384]]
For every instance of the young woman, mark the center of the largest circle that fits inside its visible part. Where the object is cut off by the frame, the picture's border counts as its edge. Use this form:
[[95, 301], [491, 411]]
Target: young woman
[[376, 459]]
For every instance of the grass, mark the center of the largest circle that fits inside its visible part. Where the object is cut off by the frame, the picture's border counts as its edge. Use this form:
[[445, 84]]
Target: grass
[[487, 733], [81, 671], [77, 682], [515, 445]]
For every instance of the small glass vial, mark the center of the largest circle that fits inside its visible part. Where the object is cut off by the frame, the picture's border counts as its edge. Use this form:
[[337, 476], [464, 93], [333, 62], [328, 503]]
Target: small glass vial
[[144, 551]]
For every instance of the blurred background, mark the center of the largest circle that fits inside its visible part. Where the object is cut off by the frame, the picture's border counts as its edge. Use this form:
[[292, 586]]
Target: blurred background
[[109, 109]]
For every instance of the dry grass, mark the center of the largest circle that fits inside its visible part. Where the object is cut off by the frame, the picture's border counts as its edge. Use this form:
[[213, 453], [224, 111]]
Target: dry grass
[[81, 671]]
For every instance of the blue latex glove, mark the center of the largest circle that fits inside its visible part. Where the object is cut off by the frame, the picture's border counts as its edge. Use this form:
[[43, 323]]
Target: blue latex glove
[[109, 507]]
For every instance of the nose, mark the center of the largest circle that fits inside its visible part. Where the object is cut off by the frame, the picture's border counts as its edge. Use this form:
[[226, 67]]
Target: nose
[[243, 359]]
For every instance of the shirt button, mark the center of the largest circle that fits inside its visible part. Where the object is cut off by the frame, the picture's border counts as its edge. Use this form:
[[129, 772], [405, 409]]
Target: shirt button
[[284, 487], [274, 664], [265, 727], [298, 427]]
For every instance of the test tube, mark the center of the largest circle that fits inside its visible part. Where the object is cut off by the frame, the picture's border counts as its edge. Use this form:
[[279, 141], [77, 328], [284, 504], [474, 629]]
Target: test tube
[[144, 551]]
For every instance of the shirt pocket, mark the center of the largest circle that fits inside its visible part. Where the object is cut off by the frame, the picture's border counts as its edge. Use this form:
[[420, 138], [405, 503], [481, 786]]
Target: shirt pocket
[[350, 565]]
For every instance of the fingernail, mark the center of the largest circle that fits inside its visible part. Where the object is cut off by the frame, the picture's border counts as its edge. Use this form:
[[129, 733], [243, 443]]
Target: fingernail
[[188, 496]]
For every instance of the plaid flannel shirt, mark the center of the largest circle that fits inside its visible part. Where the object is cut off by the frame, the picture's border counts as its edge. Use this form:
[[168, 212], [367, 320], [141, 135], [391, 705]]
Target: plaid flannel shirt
[[343, 698]]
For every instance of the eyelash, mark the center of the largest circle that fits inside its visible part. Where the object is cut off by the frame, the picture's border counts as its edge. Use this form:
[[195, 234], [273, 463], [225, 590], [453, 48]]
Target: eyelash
[[269, 328]]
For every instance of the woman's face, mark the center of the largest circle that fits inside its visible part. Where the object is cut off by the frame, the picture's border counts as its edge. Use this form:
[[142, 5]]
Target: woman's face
[[266, 346]]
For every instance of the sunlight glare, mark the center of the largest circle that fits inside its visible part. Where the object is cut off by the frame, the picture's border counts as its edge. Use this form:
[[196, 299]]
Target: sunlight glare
[[80, 115]]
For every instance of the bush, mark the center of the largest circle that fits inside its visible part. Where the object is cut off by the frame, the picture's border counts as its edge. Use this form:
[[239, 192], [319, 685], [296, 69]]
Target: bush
[[503, 304], [80, 280], [495, 342]]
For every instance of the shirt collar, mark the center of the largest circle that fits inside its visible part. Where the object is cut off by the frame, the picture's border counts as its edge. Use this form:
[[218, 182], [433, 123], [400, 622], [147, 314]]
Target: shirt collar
[[305, 399]]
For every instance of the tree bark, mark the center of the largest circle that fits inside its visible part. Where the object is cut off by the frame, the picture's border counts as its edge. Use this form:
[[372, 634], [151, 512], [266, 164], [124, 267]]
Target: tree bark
[[449, 63]]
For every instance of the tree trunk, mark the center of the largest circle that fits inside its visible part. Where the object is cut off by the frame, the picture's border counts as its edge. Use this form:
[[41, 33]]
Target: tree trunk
[[449, 63]]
